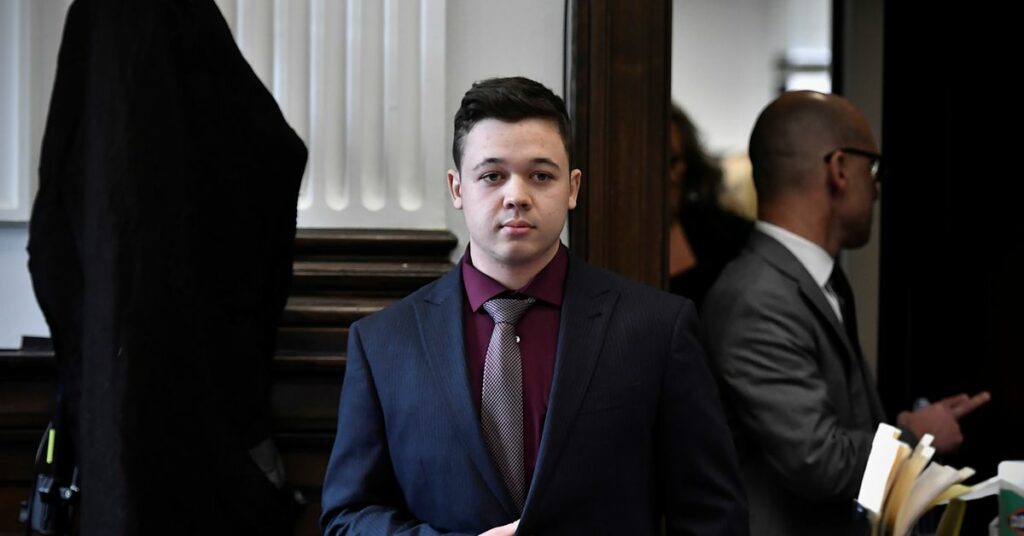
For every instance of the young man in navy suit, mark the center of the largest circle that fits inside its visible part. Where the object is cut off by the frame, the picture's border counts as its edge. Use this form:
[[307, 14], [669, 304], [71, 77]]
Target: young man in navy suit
[[527, 390]]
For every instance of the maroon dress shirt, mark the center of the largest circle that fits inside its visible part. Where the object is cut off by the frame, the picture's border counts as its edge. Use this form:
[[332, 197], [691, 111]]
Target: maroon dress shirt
[[538, 333]]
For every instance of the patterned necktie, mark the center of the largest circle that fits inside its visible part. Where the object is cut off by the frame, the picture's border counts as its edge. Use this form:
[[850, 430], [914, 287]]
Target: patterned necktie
[[501, 407]]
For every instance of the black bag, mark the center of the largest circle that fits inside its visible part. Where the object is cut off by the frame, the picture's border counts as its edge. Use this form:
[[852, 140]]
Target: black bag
[[52, 504]]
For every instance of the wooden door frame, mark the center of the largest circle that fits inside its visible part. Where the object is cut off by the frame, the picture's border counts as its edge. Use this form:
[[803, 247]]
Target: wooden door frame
[[617, 80]]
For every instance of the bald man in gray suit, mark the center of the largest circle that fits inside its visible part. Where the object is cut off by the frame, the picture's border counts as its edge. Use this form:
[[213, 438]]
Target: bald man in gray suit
[[781, 326]]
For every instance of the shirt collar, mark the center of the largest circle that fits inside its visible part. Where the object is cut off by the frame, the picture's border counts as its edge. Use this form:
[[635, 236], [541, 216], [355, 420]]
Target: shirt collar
[[546, 286], [813, 257]]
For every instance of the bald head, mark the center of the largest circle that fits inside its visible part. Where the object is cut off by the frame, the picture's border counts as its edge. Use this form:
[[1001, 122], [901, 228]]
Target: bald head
[[794, 133]]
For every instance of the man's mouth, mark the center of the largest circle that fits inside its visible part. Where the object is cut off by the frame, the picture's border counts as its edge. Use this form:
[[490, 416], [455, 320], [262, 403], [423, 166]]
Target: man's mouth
[[516, 227]]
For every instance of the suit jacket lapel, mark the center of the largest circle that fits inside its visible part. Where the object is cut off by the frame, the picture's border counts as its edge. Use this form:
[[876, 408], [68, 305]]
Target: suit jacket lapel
[[587, 306], [777, 255], [439, 316], [780, 257]]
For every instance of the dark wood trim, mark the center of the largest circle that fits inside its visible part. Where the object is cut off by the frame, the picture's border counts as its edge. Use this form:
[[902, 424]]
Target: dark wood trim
[[617, 90], [838, 46], [363, 243]]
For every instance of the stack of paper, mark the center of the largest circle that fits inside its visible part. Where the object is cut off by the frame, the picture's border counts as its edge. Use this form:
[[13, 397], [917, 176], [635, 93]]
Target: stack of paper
[[900, 484]]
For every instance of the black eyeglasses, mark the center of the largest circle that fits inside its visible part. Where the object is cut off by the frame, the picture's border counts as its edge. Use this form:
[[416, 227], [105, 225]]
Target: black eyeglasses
[[876, 159]]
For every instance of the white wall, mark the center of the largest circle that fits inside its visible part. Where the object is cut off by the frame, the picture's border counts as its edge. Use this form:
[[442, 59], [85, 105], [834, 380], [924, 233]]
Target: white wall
[[485, 38], [19, 314], [724, 54]]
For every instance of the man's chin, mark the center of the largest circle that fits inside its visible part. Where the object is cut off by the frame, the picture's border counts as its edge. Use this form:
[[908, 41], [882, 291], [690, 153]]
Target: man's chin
[[525, 254], [858, 241]]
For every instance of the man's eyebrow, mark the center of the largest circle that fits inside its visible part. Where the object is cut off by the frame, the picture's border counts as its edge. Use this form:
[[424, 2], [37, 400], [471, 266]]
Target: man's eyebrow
[[545, 161], [488, 161], [502, 162]]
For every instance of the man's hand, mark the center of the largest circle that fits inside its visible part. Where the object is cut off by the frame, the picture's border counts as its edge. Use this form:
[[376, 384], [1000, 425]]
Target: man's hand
[[504, 530], [941, 419]]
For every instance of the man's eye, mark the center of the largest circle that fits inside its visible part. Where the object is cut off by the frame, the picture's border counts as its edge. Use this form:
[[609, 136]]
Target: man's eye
[[543, 177], [491, 177]]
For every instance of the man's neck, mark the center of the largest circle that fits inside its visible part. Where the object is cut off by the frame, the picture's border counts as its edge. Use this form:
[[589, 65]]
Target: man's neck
[[511, 276], [806, 224]]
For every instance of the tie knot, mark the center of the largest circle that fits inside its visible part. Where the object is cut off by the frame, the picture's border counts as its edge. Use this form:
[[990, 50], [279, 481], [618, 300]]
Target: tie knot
[[507, 310]]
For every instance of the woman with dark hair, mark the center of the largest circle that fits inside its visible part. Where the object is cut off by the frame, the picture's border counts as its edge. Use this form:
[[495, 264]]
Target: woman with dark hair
[[703, 237]]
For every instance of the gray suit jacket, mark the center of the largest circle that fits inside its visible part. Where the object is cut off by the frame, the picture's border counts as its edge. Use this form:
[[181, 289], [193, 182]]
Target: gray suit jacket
[[801, 402]]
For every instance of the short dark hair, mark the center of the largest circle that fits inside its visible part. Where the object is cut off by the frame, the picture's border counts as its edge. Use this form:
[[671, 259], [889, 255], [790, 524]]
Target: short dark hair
[[508, 99]]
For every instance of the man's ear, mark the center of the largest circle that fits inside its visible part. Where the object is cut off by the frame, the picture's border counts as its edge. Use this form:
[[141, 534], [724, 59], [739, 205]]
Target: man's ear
[[455, 188], [835, 177], [575, 176]]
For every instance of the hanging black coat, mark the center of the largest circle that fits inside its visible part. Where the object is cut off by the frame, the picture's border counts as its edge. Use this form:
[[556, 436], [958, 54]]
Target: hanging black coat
[[160, 250]]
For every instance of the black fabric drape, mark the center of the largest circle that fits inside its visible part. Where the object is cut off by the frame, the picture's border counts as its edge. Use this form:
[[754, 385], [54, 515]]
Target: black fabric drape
[[160, 251]]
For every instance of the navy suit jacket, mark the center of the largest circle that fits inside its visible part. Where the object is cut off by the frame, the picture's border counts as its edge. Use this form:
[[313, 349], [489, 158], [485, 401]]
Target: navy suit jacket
[[634, 428]]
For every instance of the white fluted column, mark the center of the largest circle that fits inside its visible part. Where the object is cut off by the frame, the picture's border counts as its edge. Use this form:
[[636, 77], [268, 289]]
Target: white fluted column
[[362, 83]]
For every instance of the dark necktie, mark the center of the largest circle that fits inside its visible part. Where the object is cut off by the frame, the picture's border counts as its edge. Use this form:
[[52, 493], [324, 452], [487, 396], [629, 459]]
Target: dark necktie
[[501, 407], [841, 286]]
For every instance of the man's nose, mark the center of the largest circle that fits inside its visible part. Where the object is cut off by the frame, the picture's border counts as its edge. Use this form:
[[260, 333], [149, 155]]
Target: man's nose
[[517, 193]]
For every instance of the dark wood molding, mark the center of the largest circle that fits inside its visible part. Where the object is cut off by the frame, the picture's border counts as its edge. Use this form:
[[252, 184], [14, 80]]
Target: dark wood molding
[[374, 243], [617, 90]]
